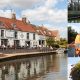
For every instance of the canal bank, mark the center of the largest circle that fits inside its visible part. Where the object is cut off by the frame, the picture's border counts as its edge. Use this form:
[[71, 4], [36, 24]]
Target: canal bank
[[7, 57], [46, 67]]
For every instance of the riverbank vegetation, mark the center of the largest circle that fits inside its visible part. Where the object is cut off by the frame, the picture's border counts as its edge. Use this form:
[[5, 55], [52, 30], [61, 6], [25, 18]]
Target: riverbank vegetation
[[75, 72], [56, 44]]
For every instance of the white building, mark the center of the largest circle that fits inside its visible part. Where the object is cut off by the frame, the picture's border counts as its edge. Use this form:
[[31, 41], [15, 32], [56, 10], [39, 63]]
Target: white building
[[19, 33]]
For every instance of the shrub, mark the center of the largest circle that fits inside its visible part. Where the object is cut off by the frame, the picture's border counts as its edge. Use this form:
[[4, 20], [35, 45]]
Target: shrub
[[75, 72]]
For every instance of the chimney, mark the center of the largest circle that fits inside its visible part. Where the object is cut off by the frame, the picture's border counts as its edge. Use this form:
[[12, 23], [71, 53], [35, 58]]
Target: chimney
[[24, 19], [14, 15]]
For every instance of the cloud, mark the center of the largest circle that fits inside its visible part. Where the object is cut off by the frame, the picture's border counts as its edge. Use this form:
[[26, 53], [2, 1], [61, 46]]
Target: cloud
[[6, 13], [51, 3], [46, 14], [20, 3], [27, 3], [37, 11], [49, 14], [46, 11]]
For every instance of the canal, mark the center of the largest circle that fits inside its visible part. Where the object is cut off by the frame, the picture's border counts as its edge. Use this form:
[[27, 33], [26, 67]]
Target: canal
[[48, 67], [72, 53]]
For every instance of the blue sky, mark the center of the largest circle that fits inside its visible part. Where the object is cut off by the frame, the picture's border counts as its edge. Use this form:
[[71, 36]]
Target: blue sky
[[73, 60], [51, 13]]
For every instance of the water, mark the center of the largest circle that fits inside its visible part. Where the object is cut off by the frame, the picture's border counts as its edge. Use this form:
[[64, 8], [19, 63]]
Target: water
[[48, 67], [71, 52]]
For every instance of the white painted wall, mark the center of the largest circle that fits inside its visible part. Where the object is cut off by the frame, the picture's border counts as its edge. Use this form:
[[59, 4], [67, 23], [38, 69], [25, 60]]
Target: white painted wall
[[0, 42], [31, 43], [9, 33], [21, 35], [31, 36], [11, 42], [22, 43], [42, 37]]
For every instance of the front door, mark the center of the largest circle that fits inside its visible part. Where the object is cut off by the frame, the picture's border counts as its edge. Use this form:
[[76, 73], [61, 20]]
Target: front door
[[4, 42], [27, 43], [16, 43]]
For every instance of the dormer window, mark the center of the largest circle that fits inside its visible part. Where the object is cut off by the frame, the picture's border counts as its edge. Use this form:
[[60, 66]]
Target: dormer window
[[13, 25]]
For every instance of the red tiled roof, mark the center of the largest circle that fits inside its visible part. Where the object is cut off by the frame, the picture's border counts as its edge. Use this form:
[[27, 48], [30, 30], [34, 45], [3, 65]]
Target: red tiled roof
[[55, 33], [44, 31], [41, 30], [19, 24]]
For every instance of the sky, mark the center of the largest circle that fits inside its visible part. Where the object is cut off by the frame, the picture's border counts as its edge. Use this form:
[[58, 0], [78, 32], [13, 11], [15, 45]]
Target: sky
[[50, 13], [75, 26]]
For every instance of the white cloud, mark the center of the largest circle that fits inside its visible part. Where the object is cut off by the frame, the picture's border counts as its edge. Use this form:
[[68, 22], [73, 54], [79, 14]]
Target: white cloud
[[46, 14], [27, 3], [38, 11], [50, 14], [20, 3], [51, 3], [6, 13]]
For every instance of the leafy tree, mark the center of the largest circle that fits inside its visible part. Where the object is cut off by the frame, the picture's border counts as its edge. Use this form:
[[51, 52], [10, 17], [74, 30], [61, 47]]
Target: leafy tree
[[71, 35], [50, 41], [63, 42], [56, 44], [75, 72]]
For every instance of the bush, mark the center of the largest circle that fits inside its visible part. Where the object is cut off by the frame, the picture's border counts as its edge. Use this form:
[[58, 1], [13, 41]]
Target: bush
[[55, 45], [75, 72]]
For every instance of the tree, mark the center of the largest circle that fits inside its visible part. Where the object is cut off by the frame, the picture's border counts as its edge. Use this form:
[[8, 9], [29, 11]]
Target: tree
[[63, 42], [50, 41], [71, 35], [75, 72]]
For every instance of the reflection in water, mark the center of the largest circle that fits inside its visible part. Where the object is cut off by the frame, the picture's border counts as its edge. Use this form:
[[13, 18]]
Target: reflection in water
[[49, 67]]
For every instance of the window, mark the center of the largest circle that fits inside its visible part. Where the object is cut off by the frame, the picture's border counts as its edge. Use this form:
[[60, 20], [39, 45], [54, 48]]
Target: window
[[2, 33], [34, 36], [27, 35], [39, 42], [15, 34]]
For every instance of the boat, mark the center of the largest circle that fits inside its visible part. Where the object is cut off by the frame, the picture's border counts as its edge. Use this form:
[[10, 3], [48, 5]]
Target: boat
[[60, 50]]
